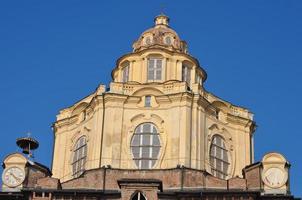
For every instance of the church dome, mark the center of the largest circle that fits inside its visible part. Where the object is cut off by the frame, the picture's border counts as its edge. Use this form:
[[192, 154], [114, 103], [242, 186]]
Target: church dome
[[160, 35]]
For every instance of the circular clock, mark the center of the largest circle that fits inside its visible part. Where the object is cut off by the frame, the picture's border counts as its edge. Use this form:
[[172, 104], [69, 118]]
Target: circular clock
[[13, 176], [274, 177]]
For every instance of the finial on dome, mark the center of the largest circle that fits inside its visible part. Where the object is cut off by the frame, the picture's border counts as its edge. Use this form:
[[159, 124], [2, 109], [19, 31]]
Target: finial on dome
[[161, 20]]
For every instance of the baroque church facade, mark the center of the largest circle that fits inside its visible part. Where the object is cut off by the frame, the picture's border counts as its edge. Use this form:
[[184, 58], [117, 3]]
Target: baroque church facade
[[155, 133]]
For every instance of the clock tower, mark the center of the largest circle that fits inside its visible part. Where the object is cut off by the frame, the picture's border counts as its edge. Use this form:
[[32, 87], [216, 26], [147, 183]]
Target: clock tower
[[13, 175], [21, 171], [275, 174]]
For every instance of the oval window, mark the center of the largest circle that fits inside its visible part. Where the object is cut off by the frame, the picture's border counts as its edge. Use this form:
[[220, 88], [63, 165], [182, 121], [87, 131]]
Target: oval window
[[145, 146], [79, 157], [219, 157]]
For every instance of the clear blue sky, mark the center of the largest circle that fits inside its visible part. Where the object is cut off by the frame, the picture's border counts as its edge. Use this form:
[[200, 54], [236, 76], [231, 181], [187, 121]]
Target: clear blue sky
[[54, 53]]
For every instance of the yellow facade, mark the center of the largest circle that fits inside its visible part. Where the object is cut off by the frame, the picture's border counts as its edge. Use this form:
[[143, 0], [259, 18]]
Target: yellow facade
[[185, 114]]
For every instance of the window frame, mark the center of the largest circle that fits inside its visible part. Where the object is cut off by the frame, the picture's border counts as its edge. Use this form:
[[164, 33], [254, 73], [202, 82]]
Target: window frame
[[79, 156], [148, 101], [125, 73], [186, 73], [139, 148], [221, 156], [168, 40], [155, 68], [148, 40]]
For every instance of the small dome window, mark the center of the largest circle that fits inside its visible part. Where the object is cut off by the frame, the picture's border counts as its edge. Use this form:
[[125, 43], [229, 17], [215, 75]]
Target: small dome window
[[186, 74], [148, 40], [125, 73], [168, 40], [154, 69]]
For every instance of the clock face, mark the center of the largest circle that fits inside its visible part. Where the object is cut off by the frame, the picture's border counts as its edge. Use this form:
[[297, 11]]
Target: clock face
[[13, 176], [274, 177]]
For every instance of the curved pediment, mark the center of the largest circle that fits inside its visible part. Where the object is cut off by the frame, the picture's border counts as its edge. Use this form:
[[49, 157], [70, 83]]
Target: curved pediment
[[273, 157], [15, 158], [79, 108], [217, 129], [148, 91]]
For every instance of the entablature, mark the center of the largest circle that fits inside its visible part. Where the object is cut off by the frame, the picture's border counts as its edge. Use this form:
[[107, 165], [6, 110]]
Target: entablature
[[228, 108]]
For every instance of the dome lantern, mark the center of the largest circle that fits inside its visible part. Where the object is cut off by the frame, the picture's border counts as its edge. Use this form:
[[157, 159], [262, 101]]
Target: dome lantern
[[161, 35], [161, 20]]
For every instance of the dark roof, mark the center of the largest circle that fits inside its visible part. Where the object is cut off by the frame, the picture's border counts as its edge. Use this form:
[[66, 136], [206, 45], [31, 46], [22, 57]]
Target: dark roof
[[40, 166]]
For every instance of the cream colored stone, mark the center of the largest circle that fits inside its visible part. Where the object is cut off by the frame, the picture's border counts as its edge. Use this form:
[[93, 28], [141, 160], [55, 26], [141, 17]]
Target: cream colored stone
[[186, 119], [275, 174], [14, 160]]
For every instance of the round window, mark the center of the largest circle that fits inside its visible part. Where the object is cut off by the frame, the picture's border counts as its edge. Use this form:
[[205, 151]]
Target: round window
[[168, 40], [148, 40], [145, 146]]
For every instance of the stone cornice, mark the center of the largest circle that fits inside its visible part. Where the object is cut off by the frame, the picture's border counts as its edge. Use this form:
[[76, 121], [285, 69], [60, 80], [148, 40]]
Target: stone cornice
[[238, 120], [230, 108]]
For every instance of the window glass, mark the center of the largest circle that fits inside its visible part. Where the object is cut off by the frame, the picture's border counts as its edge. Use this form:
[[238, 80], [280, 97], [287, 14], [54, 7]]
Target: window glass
[[79, 157], [146, 140], [148, 101], [138, 196], [168, 40], [186, 74], [126, 74], [219, 157], [197, 78], [145, 146], [154, 69]]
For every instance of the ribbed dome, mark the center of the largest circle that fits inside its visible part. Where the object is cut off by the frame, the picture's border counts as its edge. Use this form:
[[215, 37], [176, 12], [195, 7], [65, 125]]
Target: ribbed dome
[[161, 35]]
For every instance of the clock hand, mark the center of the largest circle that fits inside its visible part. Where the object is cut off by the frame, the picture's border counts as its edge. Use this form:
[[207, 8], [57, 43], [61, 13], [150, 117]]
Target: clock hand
[[17, 178]]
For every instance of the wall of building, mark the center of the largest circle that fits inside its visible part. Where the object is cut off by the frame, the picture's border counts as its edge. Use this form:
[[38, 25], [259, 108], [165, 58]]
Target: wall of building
[[186, 121]]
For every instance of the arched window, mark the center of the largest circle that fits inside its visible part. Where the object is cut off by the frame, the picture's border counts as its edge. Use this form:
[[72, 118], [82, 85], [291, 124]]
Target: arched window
[[219, 157], [186, 74], [125, 74], [154, 69], [79, 157], [138, 196], [145, 146]]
